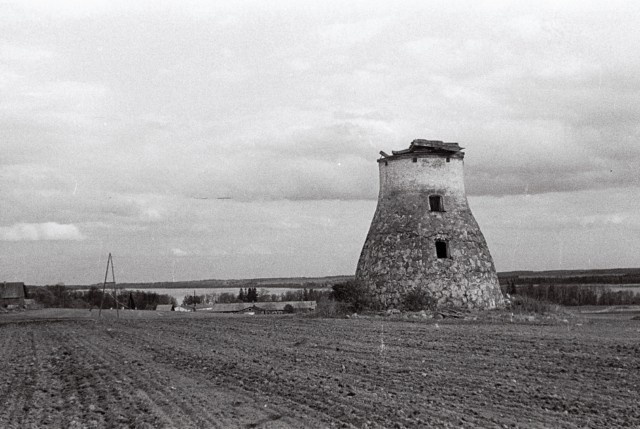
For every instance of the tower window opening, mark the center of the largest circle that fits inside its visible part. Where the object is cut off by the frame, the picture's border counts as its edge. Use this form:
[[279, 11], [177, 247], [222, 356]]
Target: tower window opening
[[435, 203], [442, 249], [448, 159], [415, 160], [386, 163]]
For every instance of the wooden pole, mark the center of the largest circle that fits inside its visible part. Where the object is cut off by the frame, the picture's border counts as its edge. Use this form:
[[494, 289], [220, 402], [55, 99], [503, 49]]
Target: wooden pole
[[104, 285], [115, 290]]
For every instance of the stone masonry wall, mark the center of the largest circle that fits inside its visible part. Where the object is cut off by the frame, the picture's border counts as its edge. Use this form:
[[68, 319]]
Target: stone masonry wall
[[399, 254]]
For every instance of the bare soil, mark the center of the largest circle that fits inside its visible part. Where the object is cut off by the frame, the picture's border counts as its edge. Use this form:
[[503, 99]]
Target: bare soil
[[67, 369]]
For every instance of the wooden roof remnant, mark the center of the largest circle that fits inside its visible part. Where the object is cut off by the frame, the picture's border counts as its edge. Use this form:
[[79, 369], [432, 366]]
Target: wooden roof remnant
[[14, 290], [426, 147]]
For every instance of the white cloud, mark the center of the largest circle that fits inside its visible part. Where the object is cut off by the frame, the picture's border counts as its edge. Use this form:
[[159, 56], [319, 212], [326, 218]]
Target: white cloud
[[13, 53], [348, 34], [130, 119], [178, 252], [40, 232], [151, 214]]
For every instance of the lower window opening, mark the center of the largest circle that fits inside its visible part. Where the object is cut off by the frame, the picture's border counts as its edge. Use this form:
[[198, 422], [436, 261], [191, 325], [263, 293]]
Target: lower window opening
[[442, 249], [435, 203]]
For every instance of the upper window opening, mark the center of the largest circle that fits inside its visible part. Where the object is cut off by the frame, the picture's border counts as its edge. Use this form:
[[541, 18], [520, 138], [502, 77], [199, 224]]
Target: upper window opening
[[448, 159], [435, 203], [442, 249], [415, 159]]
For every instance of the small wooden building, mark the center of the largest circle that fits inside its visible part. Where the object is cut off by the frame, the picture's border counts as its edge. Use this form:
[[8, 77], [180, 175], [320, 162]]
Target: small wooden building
[[12, 294]]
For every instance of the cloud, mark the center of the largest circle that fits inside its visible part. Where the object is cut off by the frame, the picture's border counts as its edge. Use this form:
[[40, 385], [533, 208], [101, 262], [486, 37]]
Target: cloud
[[297, 105], [178, 252], [40, 232], [345, 35]]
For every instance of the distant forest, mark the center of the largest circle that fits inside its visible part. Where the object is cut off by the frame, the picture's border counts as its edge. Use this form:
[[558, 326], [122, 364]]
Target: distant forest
[[604, 277], [59, 296], [577, 287], [573, 294]]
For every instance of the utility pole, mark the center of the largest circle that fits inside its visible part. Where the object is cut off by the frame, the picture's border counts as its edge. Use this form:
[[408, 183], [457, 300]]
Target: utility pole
[[104, 285]]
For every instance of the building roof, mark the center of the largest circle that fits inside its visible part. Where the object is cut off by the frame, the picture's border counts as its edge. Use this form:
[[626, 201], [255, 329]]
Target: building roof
[[263, 306], [164, 307], [202, 306], [433, 147], [231, 308], [12, 290]]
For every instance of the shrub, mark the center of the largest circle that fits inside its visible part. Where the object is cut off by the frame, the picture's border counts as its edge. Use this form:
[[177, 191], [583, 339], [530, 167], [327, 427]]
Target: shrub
[[417, 300], [327, 307], [354, 295], [525, 304]]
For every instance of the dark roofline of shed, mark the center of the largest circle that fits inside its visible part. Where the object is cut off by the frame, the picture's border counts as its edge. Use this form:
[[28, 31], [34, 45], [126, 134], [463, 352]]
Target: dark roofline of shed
[[13, 290]]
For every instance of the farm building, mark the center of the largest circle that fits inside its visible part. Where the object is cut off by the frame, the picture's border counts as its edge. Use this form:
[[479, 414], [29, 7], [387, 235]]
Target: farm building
[[165, 307], [202, 307], [12, 294], [423, 239], [266, 307]]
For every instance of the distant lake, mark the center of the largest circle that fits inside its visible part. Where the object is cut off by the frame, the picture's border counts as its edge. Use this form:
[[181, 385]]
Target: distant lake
[[635, 288]]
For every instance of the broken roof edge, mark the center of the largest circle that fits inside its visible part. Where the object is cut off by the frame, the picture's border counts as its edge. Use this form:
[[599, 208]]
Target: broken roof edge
[[427, 147]]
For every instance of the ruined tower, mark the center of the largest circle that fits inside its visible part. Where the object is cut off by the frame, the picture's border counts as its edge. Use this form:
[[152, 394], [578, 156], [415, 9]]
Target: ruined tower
[[423, 236]]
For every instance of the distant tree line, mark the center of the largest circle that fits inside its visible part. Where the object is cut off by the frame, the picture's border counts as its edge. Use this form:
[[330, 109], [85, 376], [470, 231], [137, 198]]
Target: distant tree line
[[190, 300], [578, 279], [572, 295], [252, 294], [62, 297]]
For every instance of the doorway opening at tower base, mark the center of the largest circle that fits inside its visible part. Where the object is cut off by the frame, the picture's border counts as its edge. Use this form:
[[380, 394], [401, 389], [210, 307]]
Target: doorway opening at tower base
[[442, 249]]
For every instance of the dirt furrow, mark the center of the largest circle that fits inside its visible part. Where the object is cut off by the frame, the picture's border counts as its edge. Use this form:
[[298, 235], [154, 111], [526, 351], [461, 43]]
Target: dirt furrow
[[218, 367], [9, 344], [166, 386], [294, 372], [259, 376], [134, 395], [21, 372]]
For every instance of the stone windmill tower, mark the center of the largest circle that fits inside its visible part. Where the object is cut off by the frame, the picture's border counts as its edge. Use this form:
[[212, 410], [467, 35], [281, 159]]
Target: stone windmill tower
[[423, 236]]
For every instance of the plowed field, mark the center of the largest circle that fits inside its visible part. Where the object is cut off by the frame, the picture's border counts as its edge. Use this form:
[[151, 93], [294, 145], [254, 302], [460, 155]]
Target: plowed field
[[283, 371]]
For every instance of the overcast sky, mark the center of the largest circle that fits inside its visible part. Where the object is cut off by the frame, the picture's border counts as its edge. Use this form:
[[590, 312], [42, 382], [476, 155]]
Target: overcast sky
[[239, 139]]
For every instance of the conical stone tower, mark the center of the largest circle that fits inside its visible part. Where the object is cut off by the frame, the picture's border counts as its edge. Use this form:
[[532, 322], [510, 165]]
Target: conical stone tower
[[423, 237]]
